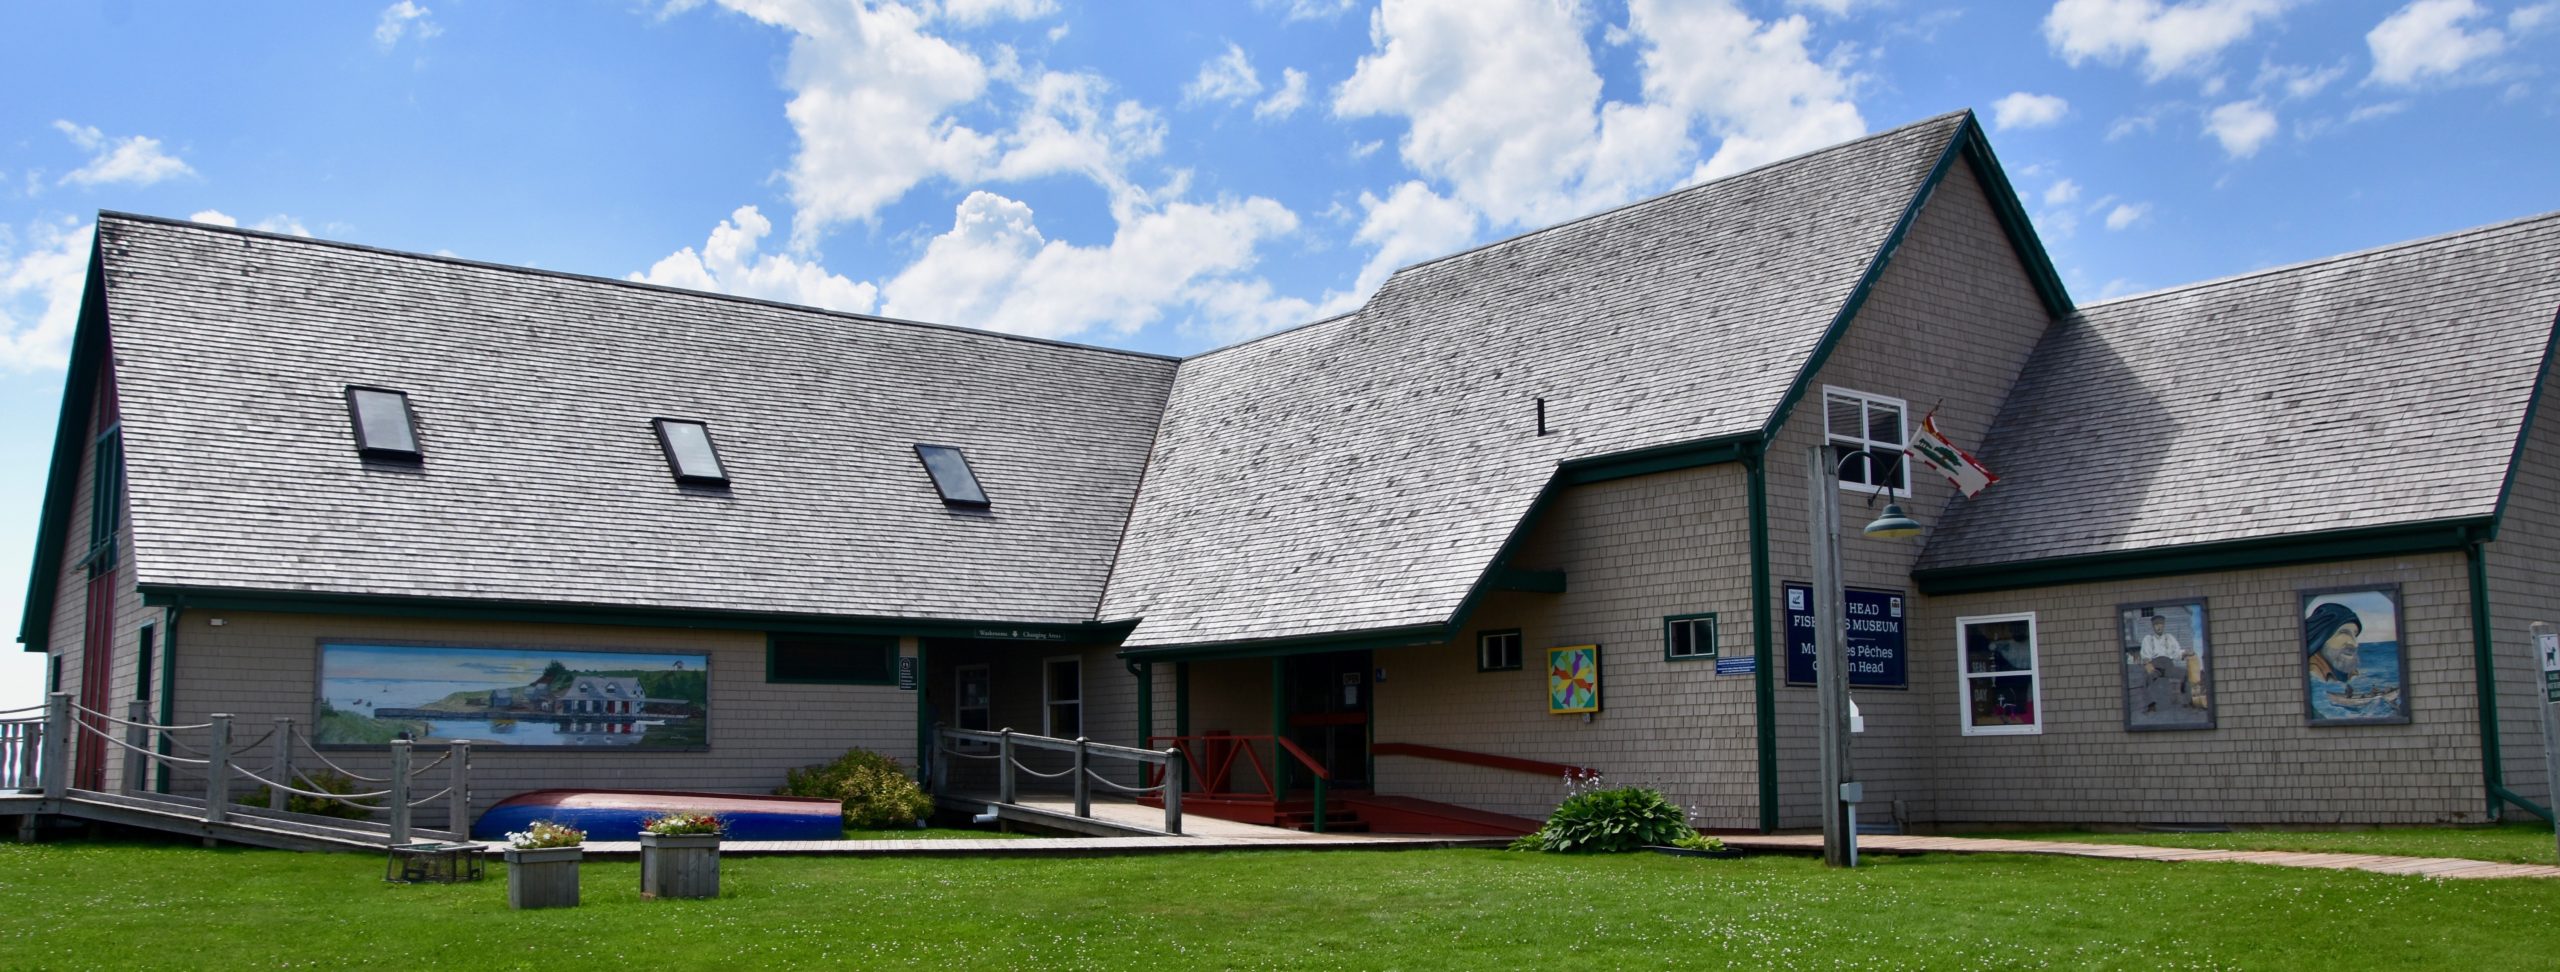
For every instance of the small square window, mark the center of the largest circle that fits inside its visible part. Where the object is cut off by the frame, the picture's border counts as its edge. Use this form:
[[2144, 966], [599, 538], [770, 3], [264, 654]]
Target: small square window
[[1498, 651], [690, 453], [832, 659], [1869, 432], [1686, 636], [385, 428], [952, 476]]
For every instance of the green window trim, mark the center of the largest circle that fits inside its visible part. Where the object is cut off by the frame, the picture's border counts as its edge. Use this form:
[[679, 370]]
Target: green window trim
[[146, 646], [779, 670], [106, 500], [1519, 653], [1672, 624]]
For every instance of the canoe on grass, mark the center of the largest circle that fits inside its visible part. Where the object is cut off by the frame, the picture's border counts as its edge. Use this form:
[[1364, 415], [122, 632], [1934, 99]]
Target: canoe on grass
[[618, 814]]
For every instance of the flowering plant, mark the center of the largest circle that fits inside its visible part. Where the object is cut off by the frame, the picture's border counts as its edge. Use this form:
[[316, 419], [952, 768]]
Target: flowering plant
[[681, 823], [546, 834]]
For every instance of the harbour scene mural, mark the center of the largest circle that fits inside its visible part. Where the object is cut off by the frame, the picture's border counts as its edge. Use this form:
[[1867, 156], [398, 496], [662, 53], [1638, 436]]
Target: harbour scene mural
[[374, 693]]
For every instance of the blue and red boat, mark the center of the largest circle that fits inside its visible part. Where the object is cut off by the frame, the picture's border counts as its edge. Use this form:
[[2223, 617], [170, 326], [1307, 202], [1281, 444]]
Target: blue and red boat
[[618, 814]]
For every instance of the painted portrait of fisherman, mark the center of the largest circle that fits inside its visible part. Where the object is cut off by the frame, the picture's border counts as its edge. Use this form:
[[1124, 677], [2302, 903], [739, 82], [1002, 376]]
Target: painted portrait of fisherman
[[2167, 683], [2351, 657]]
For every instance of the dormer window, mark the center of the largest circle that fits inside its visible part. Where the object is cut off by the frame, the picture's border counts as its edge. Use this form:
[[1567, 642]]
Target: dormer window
[[952, 477], [690, 454], [384, 426]]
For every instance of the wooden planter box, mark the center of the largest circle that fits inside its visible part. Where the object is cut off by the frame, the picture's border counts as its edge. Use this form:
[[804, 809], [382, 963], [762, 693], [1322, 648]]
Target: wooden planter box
[[686, 866], [544, 878]]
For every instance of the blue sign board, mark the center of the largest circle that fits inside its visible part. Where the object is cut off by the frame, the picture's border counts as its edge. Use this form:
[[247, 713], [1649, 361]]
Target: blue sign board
[[1877, 657], [1743, 665]]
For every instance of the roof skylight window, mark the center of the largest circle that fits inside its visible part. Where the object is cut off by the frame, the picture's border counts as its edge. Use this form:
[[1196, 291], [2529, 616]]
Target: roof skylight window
[[951, 477], [690, 453], [384, 427]]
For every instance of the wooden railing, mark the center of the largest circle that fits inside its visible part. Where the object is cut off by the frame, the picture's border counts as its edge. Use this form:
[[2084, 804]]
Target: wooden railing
[[1486, 760], [21, 739], [1213, 758], [1154, 763]]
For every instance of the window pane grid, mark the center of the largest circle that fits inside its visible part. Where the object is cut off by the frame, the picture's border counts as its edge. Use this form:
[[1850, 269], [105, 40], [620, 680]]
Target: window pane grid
[[1498, 651], [1873, 428]]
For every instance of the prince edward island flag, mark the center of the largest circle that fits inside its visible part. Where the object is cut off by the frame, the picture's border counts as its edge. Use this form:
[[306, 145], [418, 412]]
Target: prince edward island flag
[[1959, 466]]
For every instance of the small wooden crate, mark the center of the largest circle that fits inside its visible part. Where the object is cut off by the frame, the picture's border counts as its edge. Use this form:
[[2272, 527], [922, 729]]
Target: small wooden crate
[[432, 863], [685, 866], [544, 878]]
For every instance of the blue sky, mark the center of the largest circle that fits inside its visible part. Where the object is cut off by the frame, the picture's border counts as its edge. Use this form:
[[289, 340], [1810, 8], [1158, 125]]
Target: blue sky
[[1175, 176]]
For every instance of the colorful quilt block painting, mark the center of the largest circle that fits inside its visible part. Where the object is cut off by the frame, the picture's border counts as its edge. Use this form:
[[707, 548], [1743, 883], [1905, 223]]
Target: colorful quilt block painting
[[1573, 679]]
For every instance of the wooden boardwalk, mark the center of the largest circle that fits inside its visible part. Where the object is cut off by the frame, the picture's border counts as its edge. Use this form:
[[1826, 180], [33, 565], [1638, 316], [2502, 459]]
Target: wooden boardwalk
[[2434, 867]]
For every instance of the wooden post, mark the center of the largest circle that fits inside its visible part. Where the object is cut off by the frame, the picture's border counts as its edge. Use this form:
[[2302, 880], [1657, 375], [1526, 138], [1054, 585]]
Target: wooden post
[[1173, 791], [277, 798], [1279, 731], [941, 764], [1004, 767], [30, 755], [1084, 781], [1146, 672], [136, 712], [57, 733], [399, 791], [458, 803], [1319, 825], [217, 769]]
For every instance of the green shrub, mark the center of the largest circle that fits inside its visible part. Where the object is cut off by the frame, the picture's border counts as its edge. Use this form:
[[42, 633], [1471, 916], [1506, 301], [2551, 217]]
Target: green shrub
[[1700, 842], [876, 793], [325, 782], [1609, 821]]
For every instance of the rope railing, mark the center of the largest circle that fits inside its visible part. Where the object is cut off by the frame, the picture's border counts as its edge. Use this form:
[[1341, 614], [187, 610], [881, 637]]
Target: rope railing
[[1122, 787], [147, 754], [432, 797], [1009, 765], [332, 764], [1017, 764], [345, 798], [87, 711]]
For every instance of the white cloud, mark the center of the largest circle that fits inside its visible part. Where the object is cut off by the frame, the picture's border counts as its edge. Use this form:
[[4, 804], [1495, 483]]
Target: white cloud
[[2061, 192], [995, 270], [2020, 109], [2365, 113], [1308, 9], [213, 217], [2170, 38], [2427, 39], [404, 19], [2526, 20], [2242, 127], [133, 159], [1410, 225], [729, 263], [1070, 125], [2127, 214], [1227, 78], [281, 223], [1755, 85], [40, 293], [2296, 83], [982, 11], [1836, 8], [1286, 101]]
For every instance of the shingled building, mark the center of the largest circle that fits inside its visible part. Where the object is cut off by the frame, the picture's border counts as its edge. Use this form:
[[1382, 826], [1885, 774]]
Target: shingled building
[[2262, 550]]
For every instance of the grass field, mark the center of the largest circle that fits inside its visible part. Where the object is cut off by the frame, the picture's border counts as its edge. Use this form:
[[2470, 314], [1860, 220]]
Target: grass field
[[2509, 843], [78, 905], [927, 833]]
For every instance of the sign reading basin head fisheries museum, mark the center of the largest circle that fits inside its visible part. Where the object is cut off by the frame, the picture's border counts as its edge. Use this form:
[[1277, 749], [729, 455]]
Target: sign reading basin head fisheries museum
[[1876, 653], [371, 694]]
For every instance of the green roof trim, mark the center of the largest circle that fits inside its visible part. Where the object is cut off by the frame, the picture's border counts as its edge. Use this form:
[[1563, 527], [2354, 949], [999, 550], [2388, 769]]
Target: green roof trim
[[2524, 429], [1404, 637], [70, 444], [1654, 459], [2439, 536], [468, 609]]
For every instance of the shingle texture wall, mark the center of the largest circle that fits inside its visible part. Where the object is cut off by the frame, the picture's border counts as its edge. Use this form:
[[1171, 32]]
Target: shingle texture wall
[[543, 481], [2375, 388], [1361, 472]]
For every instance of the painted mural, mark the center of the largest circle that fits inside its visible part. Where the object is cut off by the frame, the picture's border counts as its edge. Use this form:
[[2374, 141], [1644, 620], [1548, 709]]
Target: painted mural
[[1573, 679], [374, 693], [2352, 657], [2167, 682]]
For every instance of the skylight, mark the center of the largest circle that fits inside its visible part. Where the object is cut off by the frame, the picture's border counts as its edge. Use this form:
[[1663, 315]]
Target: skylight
[[690, 453], [951, 476], [384, 427]]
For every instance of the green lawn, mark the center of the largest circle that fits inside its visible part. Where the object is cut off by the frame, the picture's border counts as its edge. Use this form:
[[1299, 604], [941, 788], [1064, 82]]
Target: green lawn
[[927, 833], [134, 906], [2512, 843]]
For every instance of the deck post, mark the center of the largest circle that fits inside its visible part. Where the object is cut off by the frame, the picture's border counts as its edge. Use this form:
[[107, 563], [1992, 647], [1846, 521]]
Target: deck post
[[57, 732], [458, 803], [941, 764], [277, 798], [1004, 766], [136, 713], [1173, 791], [1084, 781], [31, 736], [399, 791], [1319, 824], [1146, 673], [217, 769]]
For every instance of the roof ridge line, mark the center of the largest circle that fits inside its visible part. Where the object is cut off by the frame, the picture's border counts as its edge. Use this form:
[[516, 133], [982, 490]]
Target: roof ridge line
[[105, 214], [2298, 265]]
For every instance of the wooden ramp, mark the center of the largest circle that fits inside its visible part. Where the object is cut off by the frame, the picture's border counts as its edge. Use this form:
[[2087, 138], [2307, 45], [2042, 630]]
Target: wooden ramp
[[244, 825]]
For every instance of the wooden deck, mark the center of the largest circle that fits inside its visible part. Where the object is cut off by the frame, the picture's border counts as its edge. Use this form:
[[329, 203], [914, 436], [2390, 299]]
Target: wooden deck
[[2433, 867]]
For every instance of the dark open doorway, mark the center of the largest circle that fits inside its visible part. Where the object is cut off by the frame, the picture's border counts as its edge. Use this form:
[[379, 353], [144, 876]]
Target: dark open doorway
[[1327, 699]]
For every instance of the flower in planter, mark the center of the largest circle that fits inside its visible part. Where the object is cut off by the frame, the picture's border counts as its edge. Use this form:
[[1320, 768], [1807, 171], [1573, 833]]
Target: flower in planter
[[546, 834], [681, 823]]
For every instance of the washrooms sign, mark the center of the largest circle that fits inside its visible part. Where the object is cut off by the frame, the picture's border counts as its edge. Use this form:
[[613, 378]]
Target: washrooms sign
[[1877, 649]]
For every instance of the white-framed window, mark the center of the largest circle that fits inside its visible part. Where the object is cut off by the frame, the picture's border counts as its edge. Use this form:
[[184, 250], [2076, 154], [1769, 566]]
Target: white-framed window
[[1498, 651], [1062, 697], [2001, 693], [973, 693], [1875, 426]]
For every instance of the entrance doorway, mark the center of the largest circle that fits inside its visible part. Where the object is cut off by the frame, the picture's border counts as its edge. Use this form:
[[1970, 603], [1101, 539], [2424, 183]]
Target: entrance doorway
[[1328, 712]]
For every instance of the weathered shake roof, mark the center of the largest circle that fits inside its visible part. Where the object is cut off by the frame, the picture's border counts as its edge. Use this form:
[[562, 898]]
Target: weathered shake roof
[[1363, 473], [542, 481], [2376, 389]]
